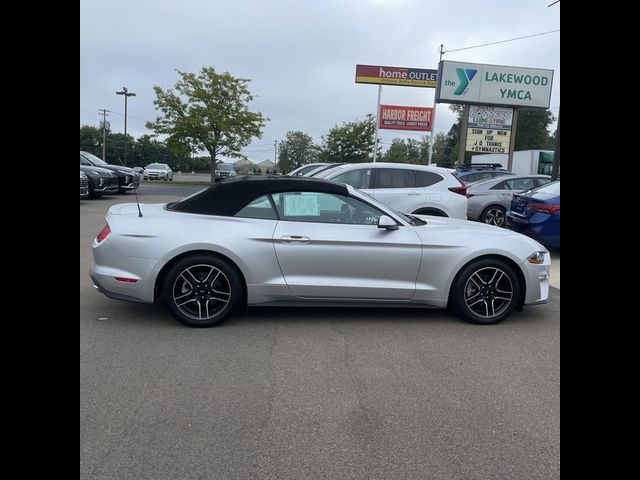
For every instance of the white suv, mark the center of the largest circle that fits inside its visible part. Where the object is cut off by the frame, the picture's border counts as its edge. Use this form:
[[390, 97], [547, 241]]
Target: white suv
[[420, 189]]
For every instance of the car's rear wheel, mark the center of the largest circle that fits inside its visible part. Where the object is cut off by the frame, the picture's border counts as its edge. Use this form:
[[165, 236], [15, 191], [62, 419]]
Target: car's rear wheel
[[494, 215], [202, 290], [485, 292]]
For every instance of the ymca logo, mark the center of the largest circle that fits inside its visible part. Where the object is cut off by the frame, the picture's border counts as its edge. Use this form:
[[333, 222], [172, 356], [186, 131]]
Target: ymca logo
[[465, 76]]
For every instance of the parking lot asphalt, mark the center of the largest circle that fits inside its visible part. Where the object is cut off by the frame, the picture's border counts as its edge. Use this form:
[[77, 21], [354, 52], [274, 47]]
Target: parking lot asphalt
[[312, 393]]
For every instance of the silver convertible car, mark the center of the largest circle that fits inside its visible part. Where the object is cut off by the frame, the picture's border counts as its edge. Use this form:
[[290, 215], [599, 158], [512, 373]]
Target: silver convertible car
[[286, 241]]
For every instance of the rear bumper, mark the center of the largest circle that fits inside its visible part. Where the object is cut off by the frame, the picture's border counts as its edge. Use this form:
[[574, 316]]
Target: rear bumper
[[542, 228]]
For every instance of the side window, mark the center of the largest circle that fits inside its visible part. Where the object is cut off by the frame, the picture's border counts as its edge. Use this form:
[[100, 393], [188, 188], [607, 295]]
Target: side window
[[259, 208], [360, 178], [325, 208], [395, 178], [523, 184], [472, 177], [426, 179], [503, 185], [84, 161]]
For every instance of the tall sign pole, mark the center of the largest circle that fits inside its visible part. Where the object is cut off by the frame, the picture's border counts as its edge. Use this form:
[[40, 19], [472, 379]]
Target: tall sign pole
[[433, 118], [512, 142], [463, 135], [375, 143], [555, 169]]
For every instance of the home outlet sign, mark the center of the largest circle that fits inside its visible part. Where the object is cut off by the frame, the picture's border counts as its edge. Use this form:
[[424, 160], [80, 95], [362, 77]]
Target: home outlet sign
[[475, 83]]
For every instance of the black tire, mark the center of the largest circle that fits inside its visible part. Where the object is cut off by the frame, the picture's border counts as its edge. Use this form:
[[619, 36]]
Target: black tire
[[494, 215], [204, 307], [485, 303]]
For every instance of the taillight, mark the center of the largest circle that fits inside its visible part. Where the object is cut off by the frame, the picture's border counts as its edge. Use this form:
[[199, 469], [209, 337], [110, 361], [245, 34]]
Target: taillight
[[103, 233], [542, 208], [462, 190]]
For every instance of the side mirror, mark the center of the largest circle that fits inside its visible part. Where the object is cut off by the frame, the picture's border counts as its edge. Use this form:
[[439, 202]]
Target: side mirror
[[387, 223]]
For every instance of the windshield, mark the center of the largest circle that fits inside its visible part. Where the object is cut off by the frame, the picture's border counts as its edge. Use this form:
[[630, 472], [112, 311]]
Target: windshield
[[326, 173], [225, 167], [157, 166], [552, 188], [93, 159]]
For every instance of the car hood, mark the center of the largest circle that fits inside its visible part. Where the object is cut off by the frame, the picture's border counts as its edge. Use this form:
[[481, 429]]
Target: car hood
[[155, 170], [464, 232], [87, 169], [116, 168]]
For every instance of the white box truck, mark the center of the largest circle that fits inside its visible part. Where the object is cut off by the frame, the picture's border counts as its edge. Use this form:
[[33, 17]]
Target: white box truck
[[525, 162]]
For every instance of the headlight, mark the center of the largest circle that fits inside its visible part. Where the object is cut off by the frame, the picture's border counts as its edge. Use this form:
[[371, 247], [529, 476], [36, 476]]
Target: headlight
[[125, 172], [536, 257], [96, 173]]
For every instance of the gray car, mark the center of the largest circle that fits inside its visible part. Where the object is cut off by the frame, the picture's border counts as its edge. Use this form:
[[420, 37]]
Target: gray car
[[297, 241], [489, 200]]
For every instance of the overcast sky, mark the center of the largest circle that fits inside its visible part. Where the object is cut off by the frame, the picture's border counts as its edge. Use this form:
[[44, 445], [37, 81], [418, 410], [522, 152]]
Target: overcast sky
[[299, 54]]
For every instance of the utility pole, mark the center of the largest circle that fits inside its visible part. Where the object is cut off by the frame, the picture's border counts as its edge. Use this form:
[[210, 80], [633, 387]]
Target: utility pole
[[275, 154], [104, 112]]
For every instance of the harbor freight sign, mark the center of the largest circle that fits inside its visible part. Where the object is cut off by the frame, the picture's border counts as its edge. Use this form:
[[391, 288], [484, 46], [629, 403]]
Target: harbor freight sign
[[476, 83], [489, 129], [403, 76], [395, 117]]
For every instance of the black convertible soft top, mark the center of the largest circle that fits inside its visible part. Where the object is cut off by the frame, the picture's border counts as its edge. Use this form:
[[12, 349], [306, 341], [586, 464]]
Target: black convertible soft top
[[229, 196]]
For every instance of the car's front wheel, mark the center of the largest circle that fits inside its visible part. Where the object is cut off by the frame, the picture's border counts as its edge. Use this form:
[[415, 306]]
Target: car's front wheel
[[485, 292], [202, 290]]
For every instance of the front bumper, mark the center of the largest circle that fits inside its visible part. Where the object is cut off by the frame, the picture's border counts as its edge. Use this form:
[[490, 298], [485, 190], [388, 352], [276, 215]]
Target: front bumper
[[129, 182], [537, 281], [106, 185]]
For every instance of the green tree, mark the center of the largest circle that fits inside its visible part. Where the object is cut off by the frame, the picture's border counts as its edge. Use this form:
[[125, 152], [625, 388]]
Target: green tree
[[532, 132], [208, 111], [147, 150], [408, 151], [296, 150], [91, 140], [350, 143], [439, 141]]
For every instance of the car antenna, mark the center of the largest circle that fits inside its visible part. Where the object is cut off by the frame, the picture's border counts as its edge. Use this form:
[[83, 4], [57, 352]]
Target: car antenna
[[135, 192]]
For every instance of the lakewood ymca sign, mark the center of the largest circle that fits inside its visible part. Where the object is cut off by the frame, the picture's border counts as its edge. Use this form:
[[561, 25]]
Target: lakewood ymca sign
[[475, 83]]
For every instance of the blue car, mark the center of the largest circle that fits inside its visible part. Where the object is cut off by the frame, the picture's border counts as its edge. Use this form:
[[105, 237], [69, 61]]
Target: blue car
[[477, 172], [536, 213]]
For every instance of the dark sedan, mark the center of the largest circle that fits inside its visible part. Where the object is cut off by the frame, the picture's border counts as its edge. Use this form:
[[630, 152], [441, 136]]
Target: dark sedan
[[536, 213], [128, 179], [101, 181]]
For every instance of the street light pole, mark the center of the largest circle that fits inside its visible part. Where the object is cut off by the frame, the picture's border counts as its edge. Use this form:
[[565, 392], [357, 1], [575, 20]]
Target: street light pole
[[126, 94]]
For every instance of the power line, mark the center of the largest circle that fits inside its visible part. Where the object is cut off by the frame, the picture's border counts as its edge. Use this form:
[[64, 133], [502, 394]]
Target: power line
[[502, 41]]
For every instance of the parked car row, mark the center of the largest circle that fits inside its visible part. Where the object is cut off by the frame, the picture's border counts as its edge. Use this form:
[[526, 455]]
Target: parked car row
[[127, 179], [429, 190]]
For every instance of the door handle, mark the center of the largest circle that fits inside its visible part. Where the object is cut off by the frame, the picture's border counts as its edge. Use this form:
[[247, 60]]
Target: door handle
[[294, 239], [414, 193]]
